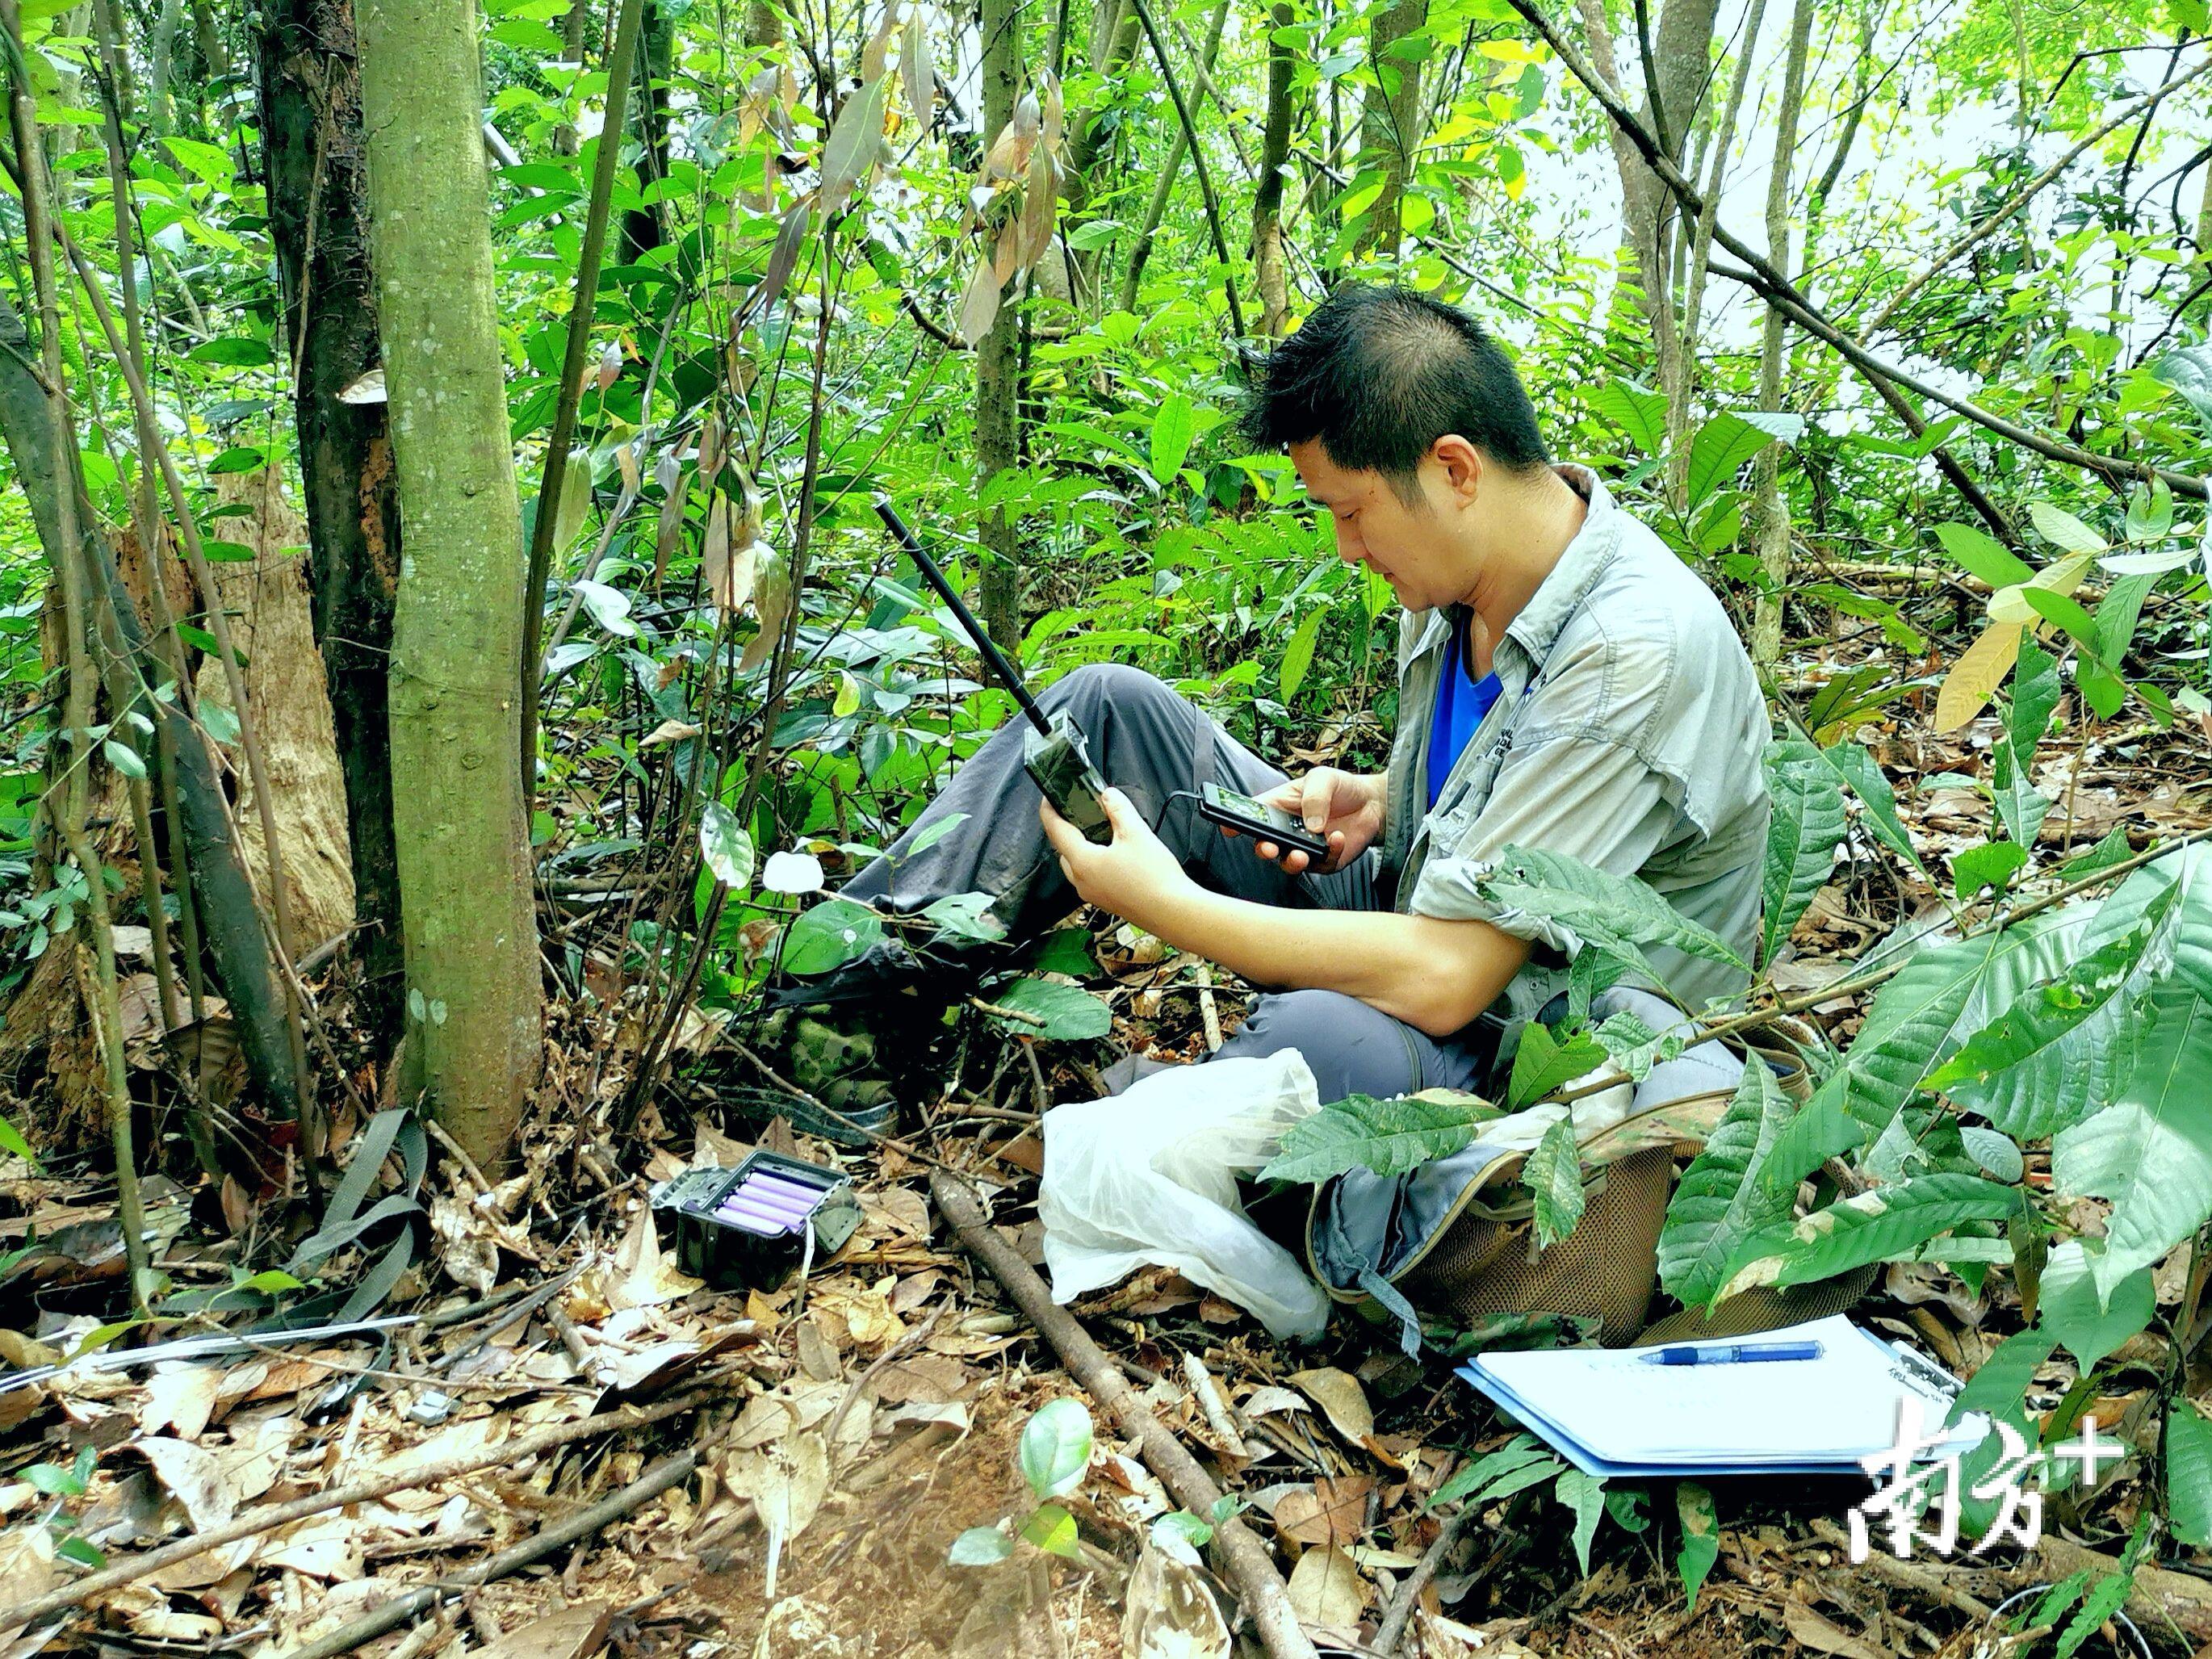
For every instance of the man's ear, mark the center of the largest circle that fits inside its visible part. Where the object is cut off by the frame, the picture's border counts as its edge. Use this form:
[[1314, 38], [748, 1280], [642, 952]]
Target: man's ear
[[1463, 466]]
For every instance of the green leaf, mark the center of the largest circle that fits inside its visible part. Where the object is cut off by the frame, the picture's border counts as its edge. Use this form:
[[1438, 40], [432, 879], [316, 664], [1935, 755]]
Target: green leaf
[[2064, 1043], [2021, 805], [1727, 440], [83, 1551], [124, 758], [12, 1141], [2063, 530], [980, 1547], [1635, 410], [965, 915], [931, 834], [1052, 1528], [1809, 823], [2188, 371], [829, 935], [1069, 1013], [1991, 864], [1878, 1225], [610, 606], [235, 352], [2120, 610], [1585, 1495], [1387, 1136], [1701, 1536], [219, 722], [1520, 1462], [1716, 1205], [1542, 1063], [1174, 426], [240, 457], [1297, 655], [1982, 556], [2114, 848], [2064, 610], [1054, 1452], [726, 847], [1553, 1175], [2070, 1312], [2189, 1474], [2108, 1595], [2035, 692], [2150, 1152], [1616, 914], [1859, 772]]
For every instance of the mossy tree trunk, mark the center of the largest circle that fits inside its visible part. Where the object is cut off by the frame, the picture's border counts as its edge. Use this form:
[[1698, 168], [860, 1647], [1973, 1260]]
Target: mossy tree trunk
[[460, 823]]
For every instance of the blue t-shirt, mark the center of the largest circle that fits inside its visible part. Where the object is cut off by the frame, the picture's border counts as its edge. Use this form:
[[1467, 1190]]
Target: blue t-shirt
[[1462, 701]]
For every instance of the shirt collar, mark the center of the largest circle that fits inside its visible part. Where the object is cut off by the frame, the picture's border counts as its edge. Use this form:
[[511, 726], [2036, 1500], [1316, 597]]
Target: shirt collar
[[1562, 592]]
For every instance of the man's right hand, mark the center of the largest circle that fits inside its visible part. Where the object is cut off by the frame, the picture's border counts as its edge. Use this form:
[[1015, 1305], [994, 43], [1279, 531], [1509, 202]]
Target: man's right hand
[[1347, 805]]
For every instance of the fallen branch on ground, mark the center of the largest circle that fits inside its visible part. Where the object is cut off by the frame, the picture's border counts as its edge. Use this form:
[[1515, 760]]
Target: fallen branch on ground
[[1245, 1562]]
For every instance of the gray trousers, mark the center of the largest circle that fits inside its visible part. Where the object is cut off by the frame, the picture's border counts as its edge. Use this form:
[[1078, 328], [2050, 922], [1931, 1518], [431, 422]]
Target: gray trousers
[[1149, 742]]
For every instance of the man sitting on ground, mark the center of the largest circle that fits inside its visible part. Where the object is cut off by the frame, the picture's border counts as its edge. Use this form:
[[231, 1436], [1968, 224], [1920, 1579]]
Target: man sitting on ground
[[1566, 684]]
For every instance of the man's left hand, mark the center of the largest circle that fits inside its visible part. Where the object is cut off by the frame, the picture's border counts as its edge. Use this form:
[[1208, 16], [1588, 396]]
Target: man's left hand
[[1131, 876]]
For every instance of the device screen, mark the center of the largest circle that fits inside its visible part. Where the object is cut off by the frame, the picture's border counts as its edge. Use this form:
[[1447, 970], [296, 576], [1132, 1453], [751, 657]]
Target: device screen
[[1246, 805]]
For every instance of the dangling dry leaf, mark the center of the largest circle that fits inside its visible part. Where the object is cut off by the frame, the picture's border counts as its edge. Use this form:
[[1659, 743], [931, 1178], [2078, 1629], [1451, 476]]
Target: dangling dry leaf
[[782, 261], [710, 446], [1051, 126], [668, 732], [625, 459], [1007, 253], [575, 498], [610, 362], [1010, 151], [915, 68], [1040, 201], [771, 604], [666, 533], [981, 308], [875, 55]]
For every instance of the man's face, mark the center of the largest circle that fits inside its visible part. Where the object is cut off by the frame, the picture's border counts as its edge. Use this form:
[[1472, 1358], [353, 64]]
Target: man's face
[[1414, 548]]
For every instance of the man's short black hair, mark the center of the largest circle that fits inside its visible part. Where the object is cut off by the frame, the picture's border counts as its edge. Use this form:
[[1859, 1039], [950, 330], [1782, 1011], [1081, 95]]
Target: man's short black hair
[[1378, 372]]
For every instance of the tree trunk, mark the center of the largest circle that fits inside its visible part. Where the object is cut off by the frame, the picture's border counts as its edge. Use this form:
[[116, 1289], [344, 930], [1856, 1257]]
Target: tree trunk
[[997, 373], [235, 938], [310, 141], [1772, 510], [572, 30], [1267, 198], [461, 830], [1681, 58], [1390, 118], [641, 230]]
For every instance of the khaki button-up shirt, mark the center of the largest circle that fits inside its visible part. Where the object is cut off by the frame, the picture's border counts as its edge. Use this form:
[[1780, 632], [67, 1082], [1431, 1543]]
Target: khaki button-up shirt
[[1628, 733]]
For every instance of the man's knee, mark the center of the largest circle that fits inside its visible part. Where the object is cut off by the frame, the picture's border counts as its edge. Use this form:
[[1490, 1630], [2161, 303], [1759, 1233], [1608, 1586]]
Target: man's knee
[[1351, 1047], [1097, 684]]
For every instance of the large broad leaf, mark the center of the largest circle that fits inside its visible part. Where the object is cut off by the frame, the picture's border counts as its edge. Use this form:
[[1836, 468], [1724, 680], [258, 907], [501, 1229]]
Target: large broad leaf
[[1862, 775], [1584, 1494], [726, 847], [856, 139], [1297, 655], [2062, 529], [2189, 371], [1982, 556], [2187, 872], [1616, 914], [1701, 1537], [1716, 1205], [1064, 1012], [1553, 1175], [1974, 678], [1174, 425], [1726, 441], [1806, 827], [2035, 692], [2021, 807], [2150, 1152], [1387, 1136], [1881, 1225], [2064, 1043], [1055, 1450], [2189, 1474], [2071, 1313], [1637, 410], [832, 933]]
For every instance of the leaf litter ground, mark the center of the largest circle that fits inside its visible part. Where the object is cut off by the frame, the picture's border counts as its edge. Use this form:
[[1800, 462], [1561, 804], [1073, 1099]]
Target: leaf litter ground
[[863, 1420]]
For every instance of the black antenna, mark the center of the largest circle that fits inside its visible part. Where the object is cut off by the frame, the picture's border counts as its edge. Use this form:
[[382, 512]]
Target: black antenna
[[1008, 674]]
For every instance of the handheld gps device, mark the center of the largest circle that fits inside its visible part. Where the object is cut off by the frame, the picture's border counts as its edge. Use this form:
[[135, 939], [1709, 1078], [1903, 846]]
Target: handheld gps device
[[1052, 751], [1259, 820]]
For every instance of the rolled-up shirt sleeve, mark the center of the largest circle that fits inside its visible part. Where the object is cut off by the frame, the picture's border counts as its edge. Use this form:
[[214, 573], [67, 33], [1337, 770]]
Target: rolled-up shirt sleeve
[[1588, 798]]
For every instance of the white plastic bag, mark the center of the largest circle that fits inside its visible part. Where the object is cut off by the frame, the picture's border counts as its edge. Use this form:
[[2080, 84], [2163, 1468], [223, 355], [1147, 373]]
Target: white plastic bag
[[1148, 1177]]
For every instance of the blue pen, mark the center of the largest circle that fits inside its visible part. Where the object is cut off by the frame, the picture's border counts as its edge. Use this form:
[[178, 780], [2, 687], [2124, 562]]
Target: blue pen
[[1739, 1353]]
